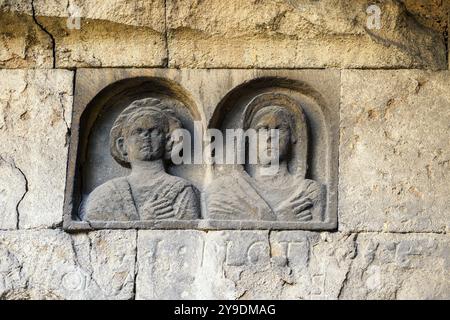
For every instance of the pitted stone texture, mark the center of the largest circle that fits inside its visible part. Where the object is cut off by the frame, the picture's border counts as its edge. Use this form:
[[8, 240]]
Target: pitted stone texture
[[268, 33], [168, 262], [148, 13], [111, 33], [16, 6], [291, 265], [400, 266], [179, 265], [286, 264], [394, 152], [431, 13], [300, 33], [242, 264], [105, 44], [319, 263], [50, 264], [23, 44], [35, 109]]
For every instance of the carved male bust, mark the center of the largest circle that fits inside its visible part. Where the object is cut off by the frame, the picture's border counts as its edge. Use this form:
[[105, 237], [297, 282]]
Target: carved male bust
[[141, 140], [284, 195]]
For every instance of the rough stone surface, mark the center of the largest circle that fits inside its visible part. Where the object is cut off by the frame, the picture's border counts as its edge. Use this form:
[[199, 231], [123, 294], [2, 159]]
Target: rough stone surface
[[13, 187], [50, 264], [241, 264], [291, 265], [169, 263], [301, 33], [35, 109], [133, 13], [267, 33], [106, 44], [394, 214], [431, 13], [394, 152], [399, 266], [23, 44], [111, 33]]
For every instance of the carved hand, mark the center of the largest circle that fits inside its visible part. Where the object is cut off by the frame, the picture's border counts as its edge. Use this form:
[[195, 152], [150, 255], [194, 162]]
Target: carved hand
[[299, 205], [158, 209]]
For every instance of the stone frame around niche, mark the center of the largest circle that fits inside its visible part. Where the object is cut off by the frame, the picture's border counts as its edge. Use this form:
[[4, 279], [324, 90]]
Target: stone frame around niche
[[209, 92]]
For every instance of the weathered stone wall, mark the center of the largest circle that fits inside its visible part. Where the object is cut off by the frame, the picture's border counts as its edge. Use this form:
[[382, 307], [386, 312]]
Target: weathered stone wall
[[392, 240]]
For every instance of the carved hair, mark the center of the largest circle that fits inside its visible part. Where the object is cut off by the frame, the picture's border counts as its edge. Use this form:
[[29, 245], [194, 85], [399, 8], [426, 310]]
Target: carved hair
[[148, 106]]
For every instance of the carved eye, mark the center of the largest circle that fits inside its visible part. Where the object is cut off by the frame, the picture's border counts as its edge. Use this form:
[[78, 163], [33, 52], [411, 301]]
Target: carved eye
[[139, 130]]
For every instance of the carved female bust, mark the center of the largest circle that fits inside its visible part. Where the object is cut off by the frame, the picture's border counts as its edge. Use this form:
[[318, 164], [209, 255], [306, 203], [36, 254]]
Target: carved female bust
[[289, 194], [141, 139], [283, 195]]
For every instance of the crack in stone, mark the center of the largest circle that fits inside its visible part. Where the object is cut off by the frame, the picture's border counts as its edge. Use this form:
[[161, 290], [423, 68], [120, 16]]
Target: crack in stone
[[75, 251], [269, 237], [52, 38], [12, 162], [135, 267], [68, 131], [91, 267], [343, 284], [23, 196], [357, 232], [166, 36]]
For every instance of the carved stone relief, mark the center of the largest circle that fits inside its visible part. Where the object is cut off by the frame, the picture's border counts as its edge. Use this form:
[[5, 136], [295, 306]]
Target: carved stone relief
[[141, 139], [122, 172], [285, 196]]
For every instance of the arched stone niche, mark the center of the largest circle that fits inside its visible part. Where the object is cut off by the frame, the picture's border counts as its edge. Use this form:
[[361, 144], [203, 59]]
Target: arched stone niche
[[217, 99], [95, 165], [230, 114], [312, 156]]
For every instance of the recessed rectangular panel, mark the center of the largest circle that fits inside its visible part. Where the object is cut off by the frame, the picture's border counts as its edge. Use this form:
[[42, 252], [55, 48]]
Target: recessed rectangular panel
[[203, 149]]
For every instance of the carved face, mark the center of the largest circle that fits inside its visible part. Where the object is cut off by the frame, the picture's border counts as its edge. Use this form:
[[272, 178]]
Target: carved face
[[144, 138], [264, 124]]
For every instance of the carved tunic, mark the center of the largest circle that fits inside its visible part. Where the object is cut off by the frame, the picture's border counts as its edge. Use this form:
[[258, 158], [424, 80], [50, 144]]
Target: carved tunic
[[120, 200], [234, 198], [239, 197]]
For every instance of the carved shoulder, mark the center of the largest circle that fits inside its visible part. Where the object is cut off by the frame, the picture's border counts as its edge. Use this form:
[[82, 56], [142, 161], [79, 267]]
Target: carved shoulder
[[233, 198], [110, 201], [187, 204], [179, 184]]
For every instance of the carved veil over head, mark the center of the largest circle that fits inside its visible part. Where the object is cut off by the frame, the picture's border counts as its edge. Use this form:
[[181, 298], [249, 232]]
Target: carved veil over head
[[280, 108], [285, 195]]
